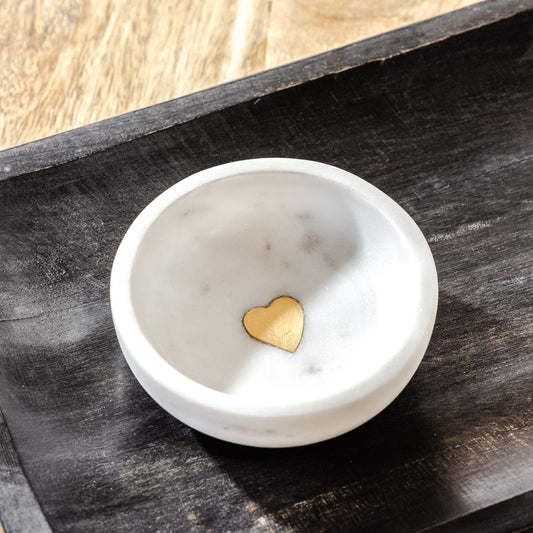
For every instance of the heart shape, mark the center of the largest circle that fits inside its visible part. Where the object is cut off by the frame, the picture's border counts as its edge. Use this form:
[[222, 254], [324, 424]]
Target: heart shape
[[280, 324]]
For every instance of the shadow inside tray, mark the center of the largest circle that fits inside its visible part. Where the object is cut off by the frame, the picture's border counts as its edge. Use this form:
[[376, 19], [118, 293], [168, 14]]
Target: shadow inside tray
[[410, 462]]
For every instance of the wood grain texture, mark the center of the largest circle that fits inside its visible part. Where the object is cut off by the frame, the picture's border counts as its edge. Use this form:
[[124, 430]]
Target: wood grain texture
[[86, 140], [442, 130], [65, 64], [19, 510], [301, 28]]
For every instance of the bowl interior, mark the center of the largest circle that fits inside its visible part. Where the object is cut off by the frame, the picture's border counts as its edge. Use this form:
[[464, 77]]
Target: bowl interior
[[244, 240]]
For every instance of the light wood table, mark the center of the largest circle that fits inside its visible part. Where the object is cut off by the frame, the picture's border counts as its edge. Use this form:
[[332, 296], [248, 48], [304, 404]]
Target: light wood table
[[66, 64]]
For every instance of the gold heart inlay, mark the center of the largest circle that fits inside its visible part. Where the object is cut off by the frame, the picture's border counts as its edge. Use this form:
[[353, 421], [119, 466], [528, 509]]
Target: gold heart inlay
[[280, 324]]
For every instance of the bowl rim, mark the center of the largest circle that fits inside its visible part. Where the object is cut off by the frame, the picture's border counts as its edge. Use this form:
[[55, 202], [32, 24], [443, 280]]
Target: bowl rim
[[140, 353]]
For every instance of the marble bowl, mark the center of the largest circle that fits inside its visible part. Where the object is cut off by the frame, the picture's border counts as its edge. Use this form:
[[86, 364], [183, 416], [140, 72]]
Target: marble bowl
[[237, 236]]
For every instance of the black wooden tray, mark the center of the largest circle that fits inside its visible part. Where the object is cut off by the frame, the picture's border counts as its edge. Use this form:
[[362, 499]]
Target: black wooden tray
[[439, 116]]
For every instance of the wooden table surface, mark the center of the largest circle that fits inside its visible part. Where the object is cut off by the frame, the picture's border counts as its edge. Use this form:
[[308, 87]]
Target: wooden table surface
[[66, 64]]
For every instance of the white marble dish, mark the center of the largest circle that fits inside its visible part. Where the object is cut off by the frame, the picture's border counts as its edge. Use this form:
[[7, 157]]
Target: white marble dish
[[237, 236]]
